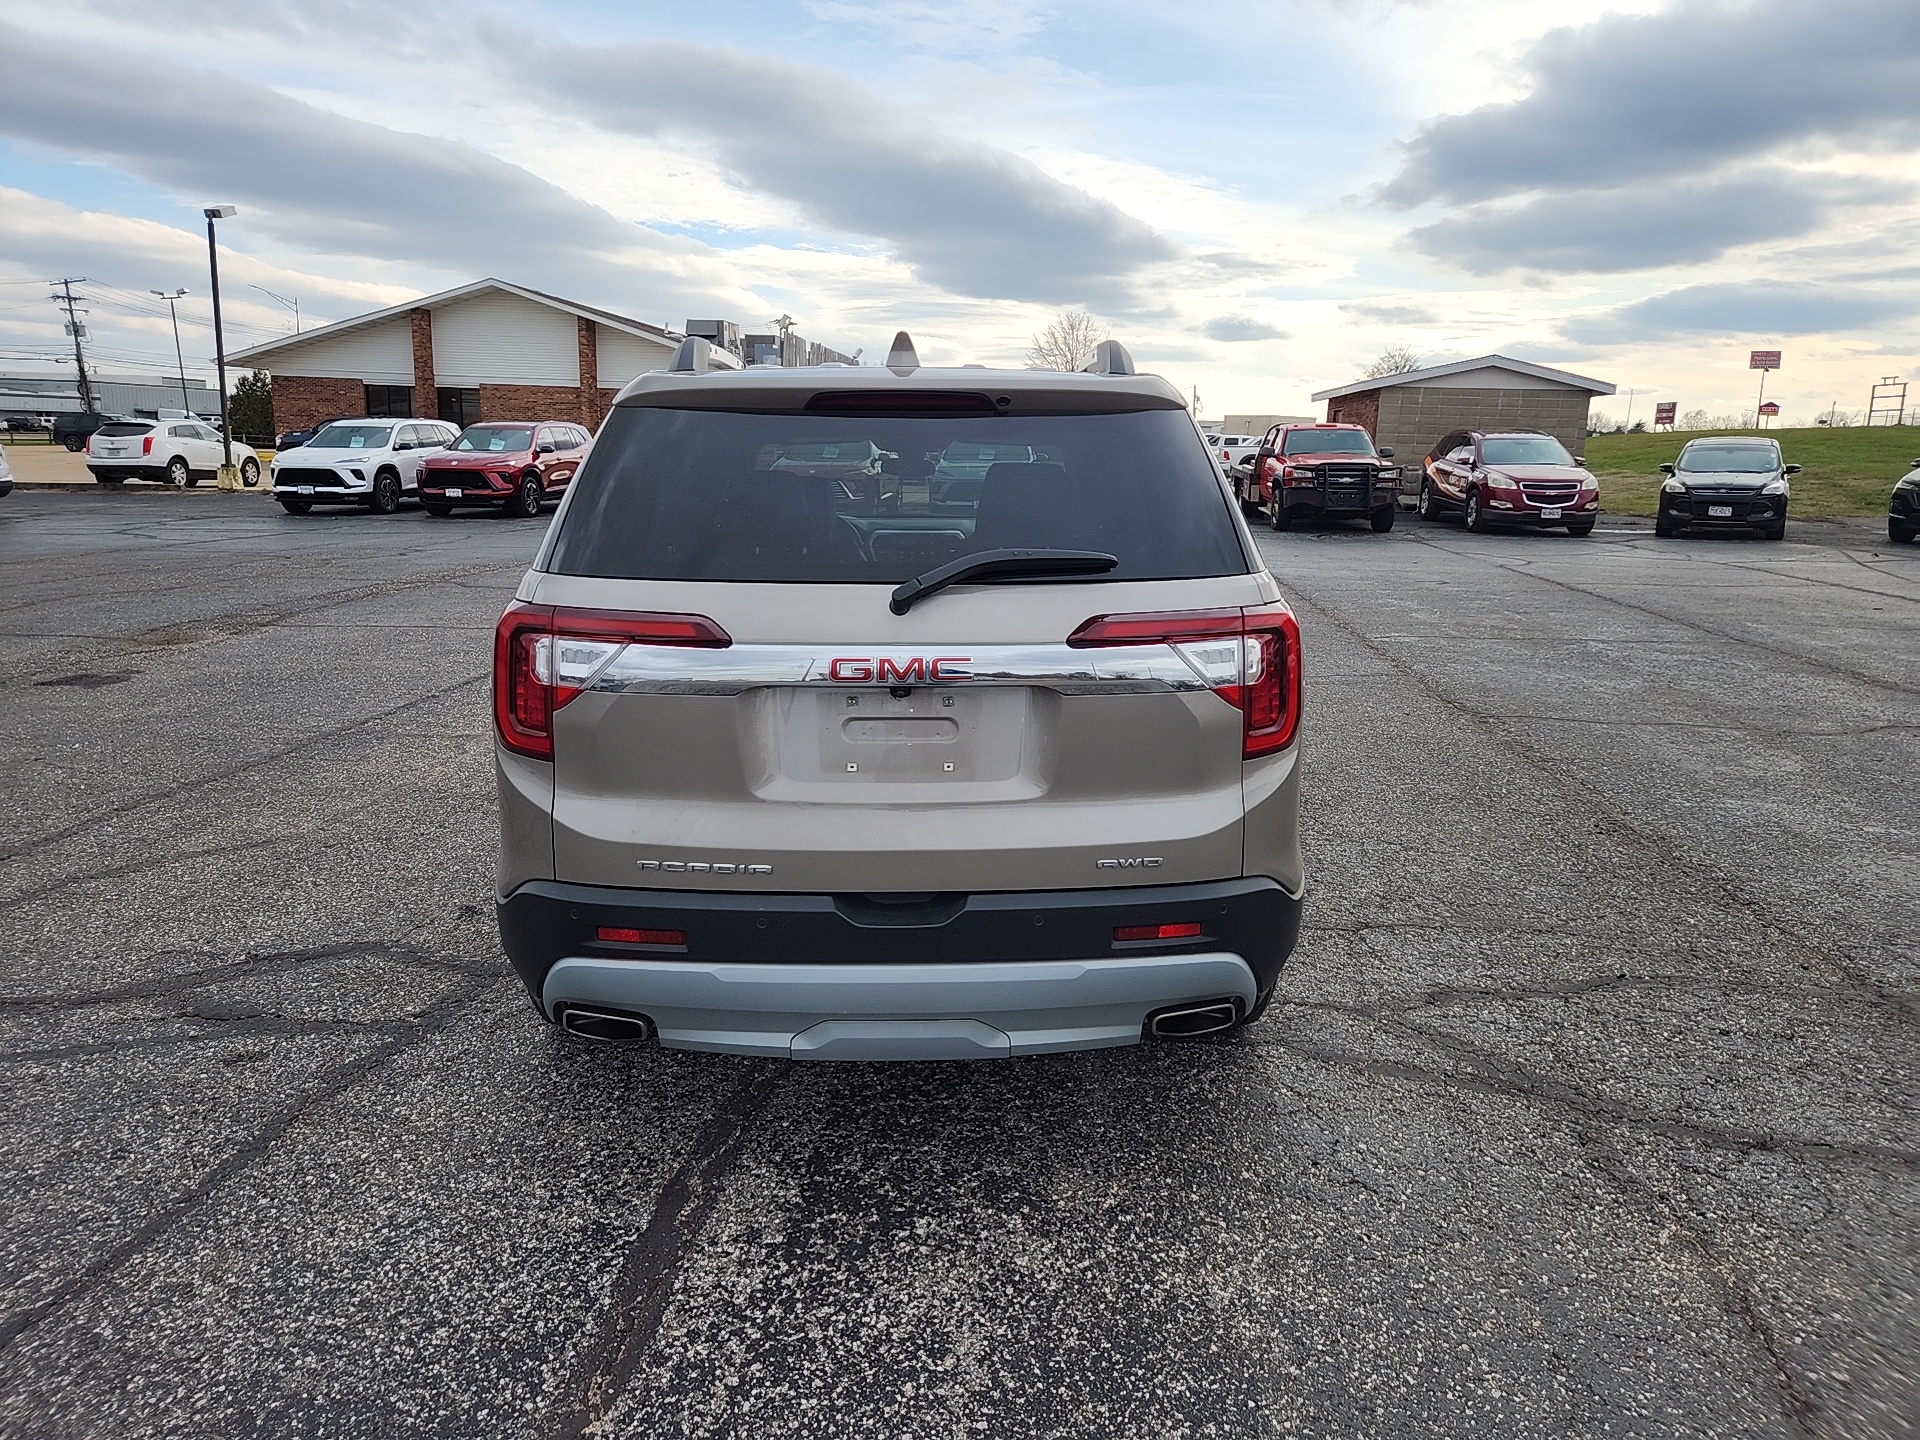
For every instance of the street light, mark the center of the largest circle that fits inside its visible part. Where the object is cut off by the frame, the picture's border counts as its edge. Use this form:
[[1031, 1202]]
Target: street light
[[293, 304], [213, 213], [172, 297]]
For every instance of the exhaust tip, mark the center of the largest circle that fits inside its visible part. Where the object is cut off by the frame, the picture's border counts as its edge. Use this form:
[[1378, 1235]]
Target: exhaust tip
[[1187, 1021], [604, 1024]]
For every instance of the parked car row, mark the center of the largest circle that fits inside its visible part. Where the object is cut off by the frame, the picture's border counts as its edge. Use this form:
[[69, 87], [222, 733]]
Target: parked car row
[[514, 467]]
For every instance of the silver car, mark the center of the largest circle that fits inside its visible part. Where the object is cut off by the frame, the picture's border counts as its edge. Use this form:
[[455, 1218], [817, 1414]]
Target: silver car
[[791, 767]]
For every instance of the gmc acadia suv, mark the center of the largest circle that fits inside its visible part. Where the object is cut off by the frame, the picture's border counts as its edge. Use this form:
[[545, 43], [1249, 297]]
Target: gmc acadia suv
[[907, 769]]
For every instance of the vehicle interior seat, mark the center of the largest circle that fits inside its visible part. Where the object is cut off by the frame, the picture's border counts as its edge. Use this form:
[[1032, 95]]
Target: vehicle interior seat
[[1026, 506]]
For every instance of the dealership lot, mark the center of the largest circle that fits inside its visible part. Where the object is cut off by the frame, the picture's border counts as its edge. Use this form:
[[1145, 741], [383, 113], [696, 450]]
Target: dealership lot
[[1588, 1106]]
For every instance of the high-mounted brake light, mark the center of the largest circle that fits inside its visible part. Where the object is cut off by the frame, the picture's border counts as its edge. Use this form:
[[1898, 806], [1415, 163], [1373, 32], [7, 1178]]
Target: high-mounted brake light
[[545, 655], [1250, 658]]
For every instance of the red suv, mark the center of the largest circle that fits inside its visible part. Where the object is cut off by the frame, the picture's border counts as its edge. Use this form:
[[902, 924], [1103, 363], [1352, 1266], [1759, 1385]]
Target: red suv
[[513, 466], [1508, 477], [1312, 470]]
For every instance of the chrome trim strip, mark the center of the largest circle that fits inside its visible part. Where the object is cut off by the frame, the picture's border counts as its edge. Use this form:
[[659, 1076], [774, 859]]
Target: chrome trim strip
[[673, 670]]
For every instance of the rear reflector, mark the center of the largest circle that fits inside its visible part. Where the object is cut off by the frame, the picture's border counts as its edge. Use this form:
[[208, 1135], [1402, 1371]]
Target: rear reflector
[[1181, 930], [1261, 680], [622, 935]]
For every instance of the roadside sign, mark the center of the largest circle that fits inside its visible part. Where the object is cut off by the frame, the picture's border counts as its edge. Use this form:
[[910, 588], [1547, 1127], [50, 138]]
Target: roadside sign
[[1769, 408], [1763, 359], [1664, 411]]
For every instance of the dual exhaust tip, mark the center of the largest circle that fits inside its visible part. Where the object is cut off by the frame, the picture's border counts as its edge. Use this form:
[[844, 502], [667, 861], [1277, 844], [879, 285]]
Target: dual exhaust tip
[[1185, 1022]]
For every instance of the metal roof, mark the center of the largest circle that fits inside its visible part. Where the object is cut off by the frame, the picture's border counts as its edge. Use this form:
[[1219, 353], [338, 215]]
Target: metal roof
[[447, 297], [1460, 367]]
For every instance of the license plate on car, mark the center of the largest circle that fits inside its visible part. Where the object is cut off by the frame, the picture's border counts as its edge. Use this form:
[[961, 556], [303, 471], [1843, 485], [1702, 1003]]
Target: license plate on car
[[303, 489], [453, 493], [1549, 512], [1720, 512]]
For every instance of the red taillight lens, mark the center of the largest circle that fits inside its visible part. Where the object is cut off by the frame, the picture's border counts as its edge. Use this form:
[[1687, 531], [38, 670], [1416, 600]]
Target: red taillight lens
[[1265, 683], [622, 935], [539, 649], [1183, 930], [146, 446]]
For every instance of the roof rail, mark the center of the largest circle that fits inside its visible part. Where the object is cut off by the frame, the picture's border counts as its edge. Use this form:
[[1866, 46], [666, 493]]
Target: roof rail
[[694, 356], [902, 358], [1110, 357]]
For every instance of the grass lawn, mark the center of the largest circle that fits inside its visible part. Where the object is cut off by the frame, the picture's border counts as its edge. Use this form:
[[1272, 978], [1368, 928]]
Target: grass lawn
[[1845, 472]]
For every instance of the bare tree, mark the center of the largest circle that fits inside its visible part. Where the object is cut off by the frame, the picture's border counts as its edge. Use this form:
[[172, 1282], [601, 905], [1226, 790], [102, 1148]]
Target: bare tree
[[1696, 420], [1394, 360], [1067, 343]]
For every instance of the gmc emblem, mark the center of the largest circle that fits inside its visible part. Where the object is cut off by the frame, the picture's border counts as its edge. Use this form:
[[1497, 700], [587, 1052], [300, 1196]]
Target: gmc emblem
[[912, 670]]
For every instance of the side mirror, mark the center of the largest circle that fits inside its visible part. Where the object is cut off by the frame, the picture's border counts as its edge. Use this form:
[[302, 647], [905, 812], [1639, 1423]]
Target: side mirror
[[546, 449], [403, 445], [1385, 452], [1266, 453], [1791, 470], [1580, 460], [1666, 469]]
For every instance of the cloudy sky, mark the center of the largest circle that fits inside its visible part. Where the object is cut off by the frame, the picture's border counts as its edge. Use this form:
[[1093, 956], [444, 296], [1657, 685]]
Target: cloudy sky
[[1256, 197]]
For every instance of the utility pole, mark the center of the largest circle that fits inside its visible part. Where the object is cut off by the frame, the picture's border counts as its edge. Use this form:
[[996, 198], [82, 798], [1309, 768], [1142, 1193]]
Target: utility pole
[[78, 331], [1628, 424], [172, 297]]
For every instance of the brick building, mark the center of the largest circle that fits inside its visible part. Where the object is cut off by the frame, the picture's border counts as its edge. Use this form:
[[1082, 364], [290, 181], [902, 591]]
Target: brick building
[[1411, 412], [486, 351]]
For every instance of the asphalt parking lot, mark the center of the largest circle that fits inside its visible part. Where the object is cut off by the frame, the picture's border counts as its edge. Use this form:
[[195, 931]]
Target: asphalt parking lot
[[1588, 1108]]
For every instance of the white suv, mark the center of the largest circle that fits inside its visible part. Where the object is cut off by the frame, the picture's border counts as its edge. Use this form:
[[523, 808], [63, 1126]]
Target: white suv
[[176, 452], [370, 462]]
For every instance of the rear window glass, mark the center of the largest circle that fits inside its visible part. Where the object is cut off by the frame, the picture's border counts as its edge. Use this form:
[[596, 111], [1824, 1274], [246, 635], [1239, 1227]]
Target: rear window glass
[[123, 427], [722, 495], [1327, 442]]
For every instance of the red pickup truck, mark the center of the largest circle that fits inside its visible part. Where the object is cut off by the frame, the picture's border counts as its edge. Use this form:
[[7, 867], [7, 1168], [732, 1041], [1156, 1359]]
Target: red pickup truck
[[1315, 470]]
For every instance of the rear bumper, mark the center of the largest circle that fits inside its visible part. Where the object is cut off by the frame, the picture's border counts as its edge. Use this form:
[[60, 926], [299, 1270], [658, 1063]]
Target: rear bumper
[[108, 470], [819, 976]]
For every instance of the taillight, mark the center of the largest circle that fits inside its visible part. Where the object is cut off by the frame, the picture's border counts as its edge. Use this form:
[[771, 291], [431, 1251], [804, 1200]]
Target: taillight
[[1249, 658], [627, 935], [146, 446], [545, 655]]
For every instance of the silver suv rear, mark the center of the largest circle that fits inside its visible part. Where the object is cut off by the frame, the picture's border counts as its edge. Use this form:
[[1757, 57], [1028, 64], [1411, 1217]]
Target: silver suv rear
[[898, 714]]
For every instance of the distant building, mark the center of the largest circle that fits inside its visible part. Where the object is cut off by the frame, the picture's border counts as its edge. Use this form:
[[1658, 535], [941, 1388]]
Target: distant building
[[486, 351], [57, 394], [1413, 411]]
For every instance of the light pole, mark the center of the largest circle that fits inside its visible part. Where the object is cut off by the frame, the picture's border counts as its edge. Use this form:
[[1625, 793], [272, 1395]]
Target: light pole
[[293, 304], [213, 213], [1630, 394], [172, 297]]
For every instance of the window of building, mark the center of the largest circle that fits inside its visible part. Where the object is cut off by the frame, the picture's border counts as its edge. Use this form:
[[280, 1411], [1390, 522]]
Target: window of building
[[460, 407], [389, 402]]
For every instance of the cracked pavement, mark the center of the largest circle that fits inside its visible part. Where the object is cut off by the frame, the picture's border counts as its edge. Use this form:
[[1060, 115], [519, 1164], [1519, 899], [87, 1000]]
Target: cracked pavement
[[1588, 1106]]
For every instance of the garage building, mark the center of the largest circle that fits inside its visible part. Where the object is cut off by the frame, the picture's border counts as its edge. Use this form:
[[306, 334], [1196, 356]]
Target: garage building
[[1412, 411], [486, 351]]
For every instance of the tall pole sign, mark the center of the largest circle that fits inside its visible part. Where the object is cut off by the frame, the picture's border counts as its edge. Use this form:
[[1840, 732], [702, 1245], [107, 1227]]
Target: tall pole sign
[[1763, 361]]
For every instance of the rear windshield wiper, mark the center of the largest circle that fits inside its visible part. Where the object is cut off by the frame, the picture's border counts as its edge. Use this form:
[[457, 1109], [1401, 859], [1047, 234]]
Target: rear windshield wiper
[[1000, 565]]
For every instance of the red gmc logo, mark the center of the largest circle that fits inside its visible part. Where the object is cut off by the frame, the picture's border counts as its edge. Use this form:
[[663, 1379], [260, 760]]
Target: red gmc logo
[[914, 670]]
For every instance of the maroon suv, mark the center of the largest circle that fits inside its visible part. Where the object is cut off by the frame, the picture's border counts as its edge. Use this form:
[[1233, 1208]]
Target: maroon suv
[[513, 466]]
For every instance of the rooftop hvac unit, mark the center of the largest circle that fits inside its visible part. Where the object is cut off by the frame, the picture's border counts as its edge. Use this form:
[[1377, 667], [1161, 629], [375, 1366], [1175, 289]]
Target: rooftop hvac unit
[[724, 333]]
